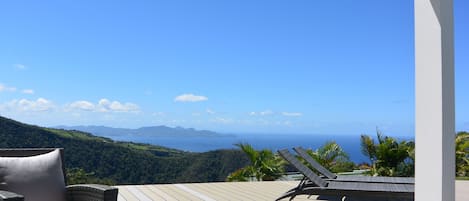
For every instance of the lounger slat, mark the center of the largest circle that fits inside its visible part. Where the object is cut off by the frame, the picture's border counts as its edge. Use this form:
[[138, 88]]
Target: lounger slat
[[314, 163], [302, 168], [372, 179], [381, 187]]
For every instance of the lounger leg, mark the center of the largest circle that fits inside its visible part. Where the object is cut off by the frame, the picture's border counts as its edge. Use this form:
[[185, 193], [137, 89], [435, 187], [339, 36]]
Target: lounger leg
[[290, 194]]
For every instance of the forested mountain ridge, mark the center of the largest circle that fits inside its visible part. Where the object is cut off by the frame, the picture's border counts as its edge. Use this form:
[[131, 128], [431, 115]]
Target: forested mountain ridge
[[124, 162]]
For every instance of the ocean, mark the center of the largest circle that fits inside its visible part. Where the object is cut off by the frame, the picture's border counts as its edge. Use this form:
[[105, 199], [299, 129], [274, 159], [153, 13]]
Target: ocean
[[350, 143]]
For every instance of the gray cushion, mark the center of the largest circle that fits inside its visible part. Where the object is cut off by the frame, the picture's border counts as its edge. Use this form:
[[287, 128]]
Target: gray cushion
[[37, 178]]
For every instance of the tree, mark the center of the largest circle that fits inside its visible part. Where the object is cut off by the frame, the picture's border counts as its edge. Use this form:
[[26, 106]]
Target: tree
[[80, 176], [264, 165], [462, 154], [389, 157], [368, 147], [332, 157]]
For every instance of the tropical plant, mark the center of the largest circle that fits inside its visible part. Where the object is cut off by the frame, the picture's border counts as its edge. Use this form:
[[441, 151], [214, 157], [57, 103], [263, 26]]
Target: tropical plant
[[80, 176], [368, 147], [332, 157], [264, 165], [462, 154], [389, 157]]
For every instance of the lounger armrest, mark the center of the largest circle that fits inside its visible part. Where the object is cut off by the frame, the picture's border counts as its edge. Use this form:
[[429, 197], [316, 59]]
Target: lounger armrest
[[10, 196], [85, 192]]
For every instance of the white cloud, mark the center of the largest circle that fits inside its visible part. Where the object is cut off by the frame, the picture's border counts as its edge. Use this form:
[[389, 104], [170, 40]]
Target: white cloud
[[190, 98], [292, 114], [123, 107], [82, 105], [266, 112], [25, 105], [103, 105], [6, 88], [209, 111], [115, 106], [19, 66], [270, 112], [27, 91], [222, 120], [263, 113]]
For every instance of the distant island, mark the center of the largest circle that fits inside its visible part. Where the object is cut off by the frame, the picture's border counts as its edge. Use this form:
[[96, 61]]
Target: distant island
[[151, 131]]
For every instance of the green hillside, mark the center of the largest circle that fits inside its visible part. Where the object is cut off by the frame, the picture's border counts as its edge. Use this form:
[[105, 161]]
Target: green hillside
[[124, 162]]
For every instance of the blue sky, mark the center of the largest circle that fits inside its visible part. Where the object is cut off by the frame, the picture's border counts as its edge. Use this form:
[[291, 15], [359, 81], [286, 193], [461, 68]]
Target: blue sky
[[329, 67]]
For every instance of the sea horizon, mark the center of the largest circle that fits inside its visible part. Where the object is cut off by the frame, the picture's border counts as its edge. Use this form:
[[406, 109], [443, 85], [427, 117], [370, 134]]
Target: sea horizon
[[349, 143]]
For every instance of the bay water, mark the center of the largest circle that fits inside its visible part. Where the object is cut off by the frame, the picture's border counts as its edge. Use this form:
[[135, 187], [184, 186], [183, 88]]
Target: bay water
[[350, 143]]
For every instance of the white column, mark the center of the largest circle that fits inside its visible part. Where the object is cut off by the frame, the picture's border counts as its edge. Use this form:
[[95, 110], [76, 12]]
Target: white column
[[434, 101]]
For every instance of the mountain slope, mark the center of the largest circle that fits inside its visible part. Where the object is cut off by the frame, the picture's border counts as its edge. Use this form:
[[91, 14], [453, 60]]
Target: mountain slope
[[124, 162]]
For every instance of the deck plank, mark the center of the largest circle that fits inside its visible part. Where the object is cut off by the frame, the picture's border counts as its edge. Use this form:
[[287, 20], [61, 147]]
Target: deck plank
[[229, 191], [177, 193], [216, 192], [120, 198], [194, 193], [128, 196], [138, 193], [158, 194]]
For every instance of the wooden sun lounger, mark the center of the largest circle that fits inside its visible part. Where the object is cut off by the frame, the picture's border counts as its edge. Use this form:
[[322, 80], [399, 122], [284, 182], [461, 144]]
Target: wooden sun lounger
[[312, 184]]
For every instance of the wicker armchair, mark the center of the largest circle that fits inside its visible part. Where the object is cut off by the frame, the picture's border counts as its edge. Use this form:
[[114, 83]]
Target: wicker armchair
[[81, 192]]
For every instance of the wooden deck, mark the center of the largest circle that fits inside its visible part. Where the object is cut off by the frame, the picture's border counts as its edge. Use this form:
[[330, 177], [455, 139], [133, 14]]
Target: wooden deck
[[236, 191]]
